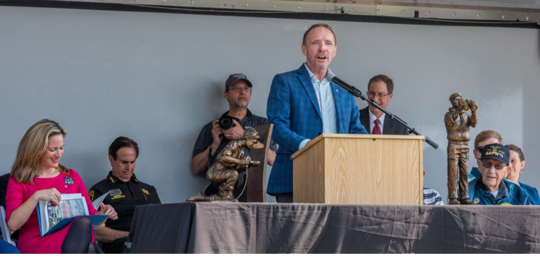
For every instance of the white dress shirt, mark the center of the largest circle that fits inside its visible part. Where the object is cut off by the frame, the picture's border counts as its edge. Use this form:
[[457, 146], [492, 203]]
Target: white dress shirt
[[372, 119]]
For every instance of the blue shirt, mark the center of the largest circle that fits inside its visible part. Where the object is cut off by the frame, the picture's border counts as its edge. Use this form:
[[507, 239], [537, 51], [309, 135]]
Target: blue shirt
[[532, 192], [325, 98], [475, 173], [509, 193]]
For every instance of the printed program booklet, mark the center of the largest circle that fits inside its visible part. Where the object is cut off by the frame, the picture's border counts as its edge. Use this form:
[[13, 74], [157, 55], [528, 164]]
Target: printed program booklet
[[54, 217]]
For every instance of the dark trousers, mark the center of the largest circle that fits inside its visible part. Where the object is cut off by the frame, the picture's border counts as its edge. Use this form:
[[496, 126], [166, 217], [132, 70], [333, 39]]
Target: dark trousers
[[116, 246], [284, 197]]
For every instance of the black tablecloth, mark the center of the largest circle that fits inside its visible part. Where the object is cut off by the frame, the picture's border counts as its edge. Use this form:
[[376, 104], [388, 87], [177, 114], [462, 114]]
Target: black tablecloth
[[324, 228]]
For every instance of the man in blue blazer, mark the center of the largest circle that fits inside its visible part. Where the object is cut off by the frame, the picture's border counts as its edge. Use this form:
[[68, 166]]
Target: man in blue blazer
[[304, 103]]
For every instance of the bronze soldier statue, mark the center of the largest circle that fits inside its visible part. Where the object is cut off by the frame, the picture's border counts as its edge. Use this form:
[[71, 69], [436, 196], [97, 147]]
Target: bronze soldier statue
[[224, 172], [458, 123]]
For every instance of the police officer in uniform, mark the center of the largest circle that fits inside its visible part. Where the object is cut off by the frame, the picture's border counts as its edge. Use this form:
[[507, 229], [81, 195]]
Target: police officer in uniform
[[125, 192]]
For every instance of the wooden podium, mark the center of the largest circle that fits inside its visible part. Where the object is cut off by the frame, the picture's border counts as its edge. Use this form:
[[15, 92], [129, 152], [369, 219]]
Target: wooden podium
[[359, 169]]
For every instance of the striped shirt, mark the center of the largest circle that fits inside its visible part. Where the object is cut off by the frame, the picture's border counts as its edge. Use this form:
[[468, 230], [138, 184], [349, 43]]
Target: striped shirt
[[432, 197]]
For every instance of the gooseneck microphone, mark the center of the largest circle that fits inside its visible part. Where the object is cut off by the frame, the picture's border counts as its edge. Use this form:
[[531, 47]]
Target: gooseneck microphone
[[357, 93]]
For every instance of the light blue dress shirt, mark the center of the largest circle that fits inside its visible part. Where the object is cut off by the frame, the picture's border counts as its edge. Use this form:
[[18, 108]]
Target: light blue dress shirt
[[325, 98]]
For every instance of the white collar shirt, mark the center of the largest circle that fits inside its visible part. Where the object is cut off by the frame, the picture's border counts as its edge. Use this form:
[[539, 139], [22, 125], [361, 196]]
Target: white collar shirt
[[372, 119]]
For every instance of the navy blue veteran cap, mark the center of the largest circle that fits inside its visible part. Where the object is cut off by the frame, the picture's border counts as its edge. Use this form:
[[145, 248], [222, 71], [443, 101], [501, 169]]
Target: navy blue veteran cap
[[234, 78], [496, 151]]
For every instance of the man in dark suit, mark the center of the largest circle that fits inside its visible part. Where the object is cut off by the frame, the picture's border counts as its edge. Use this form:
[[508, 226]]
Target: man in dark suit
[[381, 90], [304, 103]]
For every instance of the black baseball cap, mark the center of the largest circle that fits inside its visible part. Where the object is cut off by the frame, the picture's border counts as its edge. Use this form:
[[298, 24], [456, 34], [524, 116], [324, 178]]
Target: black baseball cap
[[234, 78], [496, 151]]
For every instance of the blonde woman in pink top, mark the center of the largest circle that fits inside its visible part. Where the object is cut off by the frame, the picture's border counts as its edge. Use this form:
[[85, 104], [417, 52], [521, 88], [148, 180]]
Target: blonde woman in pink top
[[37, 175]]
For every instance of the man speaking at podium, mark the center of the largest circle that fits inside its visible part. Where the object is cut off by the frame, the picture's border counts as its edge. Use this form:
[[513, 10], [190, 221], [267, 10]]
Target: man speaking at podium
[[304, 103]]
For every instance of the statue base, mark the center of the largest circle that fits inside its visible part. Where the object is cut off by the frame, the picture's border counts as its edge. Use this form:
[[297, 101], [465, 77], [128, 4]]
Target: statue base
[[199, 197]]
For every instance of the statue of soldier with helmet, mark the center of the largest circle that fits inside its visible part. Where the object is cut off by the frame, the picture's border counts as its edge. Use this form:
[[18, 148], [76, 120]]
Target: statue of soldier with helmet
[[230, 161]]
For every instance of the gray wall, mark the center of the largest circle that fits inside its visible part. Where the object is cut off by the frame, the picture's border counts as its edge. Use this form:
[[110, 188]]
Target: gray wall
[[158, 78]]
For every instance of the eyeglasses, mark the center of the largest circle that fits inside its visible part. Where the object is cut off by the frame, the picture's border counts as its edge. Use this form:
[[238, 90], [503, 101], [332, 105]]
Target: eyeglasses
[[239, 89], [379, 95], [488, 164]]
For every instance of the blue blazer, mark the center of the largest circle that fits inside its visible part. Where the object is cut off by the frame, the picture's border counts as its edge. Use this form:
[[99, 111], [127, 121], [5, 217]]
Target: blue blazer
[[293, 109]]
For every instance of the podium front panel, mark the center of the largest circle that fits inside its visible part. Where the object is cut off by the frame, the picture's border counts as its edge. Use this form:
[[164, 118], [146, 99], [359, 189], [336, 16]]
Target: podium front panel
[[360, 169]]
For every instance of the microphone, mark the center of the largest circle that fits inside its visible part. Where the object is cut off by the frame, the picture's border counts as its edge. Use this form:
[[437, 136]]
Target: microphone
[[430, 142], [355, 92]]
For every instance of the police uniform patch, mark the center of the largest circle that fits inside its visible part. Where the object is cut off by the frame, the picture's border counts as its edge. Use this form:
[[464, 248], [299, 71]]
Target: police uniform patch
[[119, 196], [114, 192], [91, 194], [145, 191]]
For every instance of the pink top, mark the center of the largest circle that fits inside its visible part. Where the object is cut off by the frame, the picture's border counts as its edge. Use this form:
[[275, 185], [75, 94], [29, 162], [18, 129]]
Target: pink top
[[30, 240]]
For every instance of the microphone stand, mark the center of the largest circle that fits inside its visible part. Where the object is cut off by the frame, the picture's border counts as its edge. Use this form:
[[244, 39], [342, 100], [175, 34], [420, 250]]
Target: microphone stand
[[392, 116], [357, 93]]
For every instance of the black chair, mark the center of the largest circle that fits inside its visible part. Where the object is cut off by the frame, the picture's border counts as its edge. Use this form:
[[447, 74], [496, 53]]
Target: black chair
[[3, 188], [256, 179], [3, 225], [4, 228]]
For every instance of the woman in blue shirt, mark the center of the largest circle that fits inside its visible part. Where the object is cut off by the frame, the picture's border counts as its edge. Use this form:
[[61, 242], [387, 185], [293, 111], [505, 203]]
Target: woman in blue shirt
[[517, 164]]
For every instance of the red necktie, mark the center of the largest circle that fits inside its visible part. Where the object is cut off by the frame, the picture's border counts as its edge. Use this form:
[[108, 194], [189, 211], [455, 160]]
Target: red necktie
[[377, 128]]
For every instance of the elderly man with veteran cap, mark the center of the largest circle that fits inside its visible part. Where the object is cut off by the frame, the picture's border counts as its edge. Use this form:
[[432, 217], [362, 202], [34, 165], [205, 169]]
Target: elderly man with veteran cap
[[492, 188], [213, 137]]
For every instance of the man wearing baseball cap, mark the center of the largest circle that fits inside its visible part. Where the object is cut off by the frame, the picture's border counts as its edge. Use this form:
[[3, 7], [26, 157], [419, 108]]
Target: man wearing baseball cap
[[492, 188], [213, 137]]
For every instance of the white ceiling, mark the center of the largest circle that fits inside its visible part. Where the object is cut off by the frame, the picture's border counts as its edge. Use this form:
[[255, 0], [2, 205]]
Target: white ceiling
[[480, 10], [485, 3]]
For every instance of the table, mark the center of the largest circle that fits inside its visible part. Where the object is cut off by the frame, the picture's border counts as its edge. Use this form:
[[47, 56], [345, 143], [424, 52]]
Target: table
[[206, 227]]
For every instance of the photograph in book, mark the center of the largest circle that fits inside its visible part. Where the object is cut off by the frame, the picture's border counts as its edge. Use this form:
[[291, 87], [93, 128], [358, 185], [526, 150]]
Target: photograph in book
[[71, 207], [54, 217]]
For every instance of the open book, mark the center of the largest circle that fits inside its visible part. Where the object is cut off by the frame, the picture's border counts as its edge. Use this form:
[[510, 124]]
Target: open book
[[54, 217]]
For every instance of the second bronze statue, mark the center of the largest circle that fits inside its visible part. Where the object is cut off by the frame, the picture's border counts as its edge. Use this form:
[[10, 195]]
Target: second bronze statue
[[230, 161], [458, 123]]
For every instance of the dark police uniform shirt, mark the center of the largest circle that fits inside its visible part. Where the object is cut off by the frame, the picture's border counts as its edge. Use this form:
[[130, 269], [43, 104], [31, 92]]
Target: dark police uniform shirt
[[124, 197], [205, 140]]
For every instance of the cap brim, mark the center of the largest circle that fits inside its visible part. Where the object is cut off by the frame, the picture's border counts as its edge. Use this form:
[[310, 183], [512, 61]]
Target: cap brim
[[493, 157], [235, 81]]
